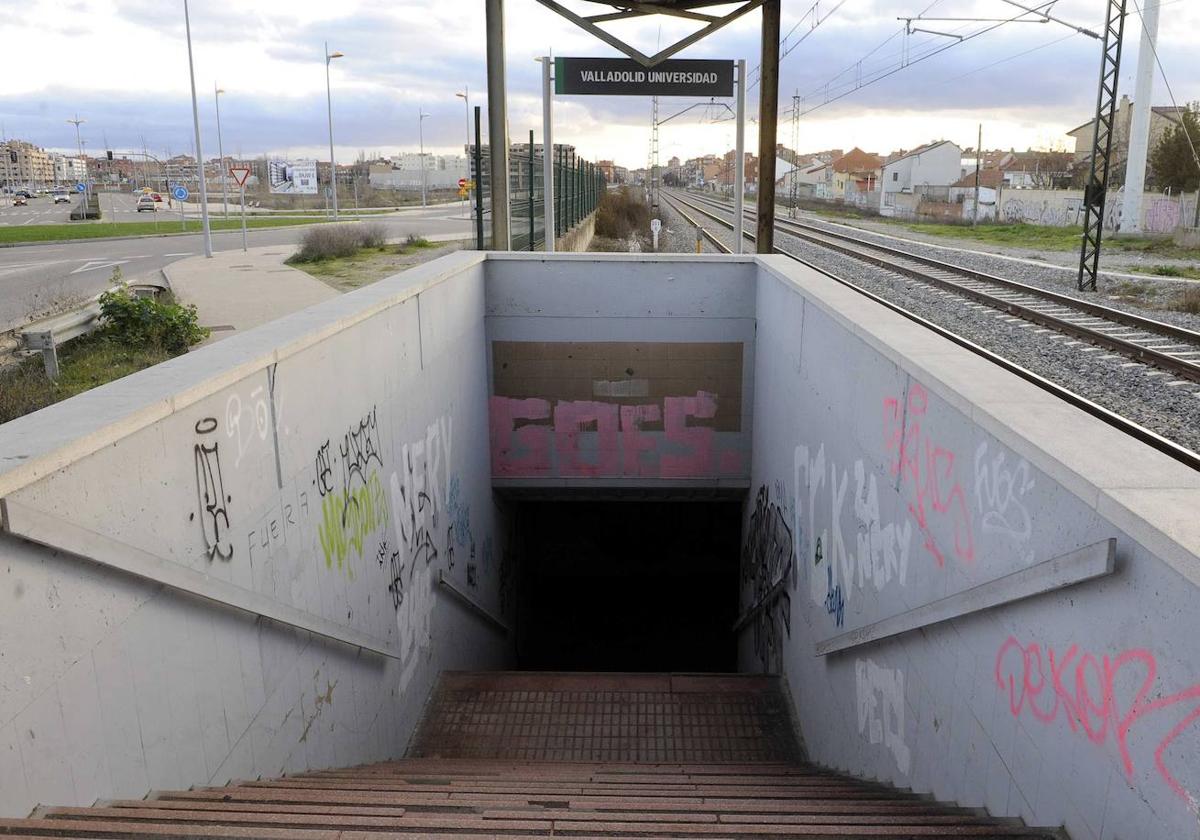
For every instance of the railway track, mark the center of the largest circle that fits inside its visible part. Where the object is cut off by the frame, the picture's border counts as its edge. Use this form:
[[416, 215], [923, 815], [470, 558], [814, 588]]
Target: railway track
[[1143, 339], [1165, 346]]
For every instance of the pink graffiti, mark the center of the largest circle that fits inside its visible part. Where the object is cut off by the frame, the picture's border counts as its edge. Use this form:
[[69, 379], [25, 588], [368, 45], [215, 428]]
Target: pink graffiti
[[1087, 697], [585, 438], [929, 469]]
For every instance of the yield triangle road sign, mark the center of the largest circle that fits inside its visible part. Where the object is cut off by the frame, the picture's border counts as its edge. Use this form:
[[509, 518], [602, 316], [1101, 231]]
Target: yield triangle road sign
[[240, 174]]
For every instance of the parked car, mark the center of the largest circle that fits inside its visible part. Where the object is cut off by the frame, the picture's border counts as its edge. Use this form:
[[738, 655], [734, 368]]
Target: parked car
[[20, 200], [146, 203], [62, 198], [24, 194]]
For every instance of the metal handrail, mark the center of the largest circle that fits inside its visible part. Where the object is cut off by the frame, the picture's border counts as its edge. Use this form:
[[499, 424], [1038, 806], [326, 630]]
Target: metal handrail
[[472, 605]]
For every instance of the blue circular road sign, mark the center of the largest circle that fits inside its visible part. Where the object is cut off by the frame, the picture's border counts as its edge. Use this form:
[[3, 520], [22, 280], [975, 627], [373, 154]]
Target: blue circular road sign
[[81, 188], [180, 193]]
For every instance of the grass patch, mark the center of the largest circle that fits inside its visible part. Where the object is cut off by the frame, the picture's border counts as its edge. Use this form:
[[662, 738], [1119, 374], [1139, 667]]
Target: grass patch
[[166, 224], [366, 265], [1186, 272], [83, 363], [1019, 235], [1187, 301]]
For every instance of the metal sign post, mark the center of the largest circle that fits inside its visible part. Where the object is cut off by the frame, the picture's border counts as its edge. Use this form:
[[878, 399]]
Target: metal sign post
[[655, 227], [241, 174], [180, 194], [547, 152], [739, 196]]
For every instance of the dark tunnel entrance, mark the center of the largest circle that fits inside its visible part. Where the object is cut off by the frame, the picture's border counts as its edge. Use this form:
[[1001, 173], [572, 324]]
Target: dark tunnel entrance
[[627, 585]]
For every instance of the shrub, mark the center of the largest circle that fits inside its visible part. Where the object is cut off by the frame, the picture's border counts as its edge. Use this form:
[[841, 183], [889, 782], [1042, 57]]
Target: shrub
[[415, 240], [147, 323], [372, 235], [325, 242], [1189, 300], [622, 214]]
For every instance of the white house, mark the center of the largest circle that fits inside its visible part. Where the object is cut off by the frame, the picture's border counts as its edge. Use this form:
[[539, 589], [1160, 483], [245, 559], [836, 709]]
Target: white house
[[934, 165]]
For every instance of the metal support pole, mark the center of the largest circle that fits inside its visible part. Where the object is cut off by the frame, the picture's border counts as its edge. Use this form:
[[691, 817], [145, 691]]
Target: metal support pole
[[208, 252], [1139, 128], [1106, 105], [243, 187], [531, 214], [547, 152], [739, 195], [478, 180], [221, 152], [978, 163], [768, 106], [329, 111], [498, 125]]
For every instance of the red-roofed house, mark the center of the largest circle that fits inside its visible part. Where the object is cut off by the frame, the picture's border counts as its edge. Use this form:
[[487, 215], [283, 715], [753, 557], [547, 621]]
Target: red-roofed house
[[856, 172]]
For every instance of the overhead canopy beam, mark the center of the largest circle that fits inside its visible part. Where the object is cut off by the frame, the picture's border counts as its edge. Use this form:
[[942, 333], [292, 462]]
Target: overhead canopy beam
[[638, 9]]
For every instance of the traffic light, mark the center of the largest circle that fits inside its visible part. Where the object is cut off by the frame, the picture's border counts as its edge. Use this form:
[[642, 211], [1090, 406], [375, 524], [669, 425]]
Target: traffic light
[[110, 154]]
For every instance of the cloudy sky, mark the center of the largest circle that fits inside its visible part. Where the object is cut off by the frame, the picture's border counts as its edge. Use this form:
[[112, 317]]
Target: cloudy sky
[[122, 66]]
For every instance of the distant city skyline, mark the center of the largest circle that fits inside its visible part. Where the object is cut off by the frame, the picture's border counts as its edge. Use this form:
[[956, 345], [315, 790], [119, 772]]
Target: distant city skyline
[[1027, 84]]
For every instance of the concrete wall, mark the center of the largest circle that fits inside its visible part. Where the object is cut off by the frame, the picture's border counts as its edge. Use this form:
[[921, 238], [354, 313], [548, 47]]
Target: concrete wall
[[579, 238], [322, 470], [892, 469], [614, 370], [1161, 214]]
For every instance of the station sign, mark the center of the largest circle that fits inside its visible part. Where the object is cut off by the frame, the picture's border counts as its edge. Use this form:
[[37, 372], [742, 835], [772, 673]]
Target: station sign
[[625, 77]]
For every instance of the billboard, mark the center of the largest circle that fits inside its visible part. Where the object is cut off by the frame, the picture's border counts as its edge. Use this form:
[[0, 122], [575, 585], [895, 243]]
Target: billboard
[[625, 77], [292, 176]]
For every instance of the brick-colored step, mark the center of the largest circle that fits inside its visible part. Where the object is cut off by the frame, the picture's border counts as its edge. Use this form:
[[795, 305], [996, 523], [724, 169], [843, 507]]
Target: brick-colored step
[[728, 766]]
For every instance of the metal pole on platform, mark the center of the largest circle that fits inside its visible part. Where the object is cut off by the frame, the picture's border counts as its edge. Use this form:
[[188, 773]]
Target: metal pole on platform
[[498, 125], [739, 196], [531, 216], [548, 151], [208, 252], [768, 107], [478, 180]]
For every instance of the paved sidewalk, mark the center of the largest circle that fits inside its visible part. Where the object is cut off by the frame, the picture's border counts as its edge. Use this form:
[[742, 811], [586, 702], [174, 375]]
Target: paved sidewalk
[[240, 290]]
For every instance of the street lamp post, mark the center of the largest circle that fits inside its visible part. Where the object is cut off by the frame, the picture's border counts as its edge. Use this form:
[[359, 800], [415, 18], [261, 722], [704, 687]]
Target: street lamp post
[[79, 145], [208, 252], [221, 151], [329, 57], [465, 96], [421, 115]]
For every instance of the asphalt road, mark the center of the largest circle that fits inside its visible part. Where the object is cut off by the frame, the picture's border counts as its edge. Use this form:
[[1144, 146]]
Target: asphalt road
[[42, 278]]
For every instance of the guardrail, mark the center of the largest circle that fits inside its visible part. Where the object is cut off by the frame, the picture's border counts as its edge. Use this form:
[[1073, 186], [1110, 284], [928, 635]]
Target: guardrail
[[47, 335]]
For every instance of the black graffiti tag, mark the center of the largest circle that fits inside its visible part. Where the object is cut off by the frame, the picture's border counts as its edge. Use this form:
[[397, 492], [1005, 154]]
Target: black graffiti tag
[[766, 565], [211, 499], [359, 447]]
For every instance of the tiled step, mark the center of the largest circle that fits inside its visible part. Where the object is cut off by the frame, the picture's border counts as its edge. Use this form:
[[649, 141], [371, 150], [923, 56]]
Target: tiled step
[[457, 793]]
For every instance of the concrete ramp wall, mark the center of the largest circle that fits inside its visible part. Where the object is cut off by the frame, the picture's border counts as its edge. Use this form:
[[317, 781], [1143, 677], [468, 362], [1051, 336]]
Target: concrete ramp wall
[[927, 558], [228, 565]]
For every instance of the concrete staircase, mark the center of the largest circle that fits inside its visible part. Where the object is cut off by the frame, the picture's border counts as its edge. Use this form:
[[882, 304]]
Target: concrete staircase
[[566, 755]]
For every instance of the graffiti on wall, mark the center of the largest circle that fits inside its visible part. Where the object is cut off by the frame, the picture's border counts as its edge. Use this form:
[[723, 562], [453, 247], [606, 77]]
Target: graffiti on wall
[[766, 567], [537, 437], [1100, 697], [1001, 488], [880, 695], [212, 500], [418, 498], [353, 504], [252, 421], [928, 475], [879, 553]]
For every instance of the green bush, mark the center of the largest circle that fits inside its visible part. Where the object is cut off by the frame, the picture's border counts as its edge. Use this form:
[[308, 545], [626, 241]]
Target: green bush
[[329, 241], [143, 322], [372, 235]]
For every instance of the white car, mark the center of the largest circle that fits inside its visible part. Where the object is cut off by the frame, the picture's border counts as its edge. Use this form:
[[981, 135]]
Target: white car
[[146, 203], [62, 198]]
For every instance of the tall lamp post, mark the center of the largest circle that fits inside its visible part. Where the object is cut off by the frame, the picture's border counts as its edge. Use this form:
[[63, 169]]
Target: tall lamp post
[[221, 151], [421, 115], [79, 145], [208, 252], [465, 96], [329, 57]]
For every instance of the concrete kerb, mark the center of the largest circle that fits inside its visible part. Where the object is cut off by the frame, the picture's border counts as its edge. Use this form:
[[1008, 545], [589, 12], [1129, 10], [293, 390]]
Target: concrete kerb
[[91, 239]]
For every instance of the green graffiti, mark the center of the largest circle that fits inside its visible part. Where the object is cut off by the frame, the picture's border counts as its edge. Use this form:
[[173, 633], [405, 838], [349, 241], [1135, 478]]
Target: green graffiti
[[348, 518]]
